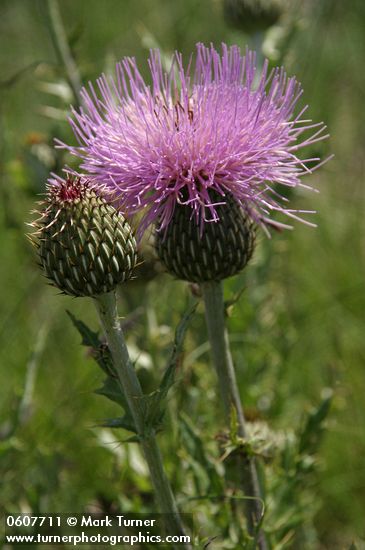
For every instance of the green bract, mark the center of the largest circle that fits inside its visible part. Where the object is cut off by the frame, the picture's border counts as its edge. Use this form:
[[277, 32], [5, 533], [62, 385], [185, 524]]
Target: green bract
[[220, 250], [85, 245]]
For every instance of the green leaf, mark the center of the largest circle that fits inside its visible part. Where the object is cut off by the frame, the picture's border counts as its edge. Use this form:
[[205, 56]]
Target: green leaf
[[111, 387], [195, 447], [90, 339], [230, 304], [119, 422], [155, 401], [311, 434], [169, 376], [112, 390]]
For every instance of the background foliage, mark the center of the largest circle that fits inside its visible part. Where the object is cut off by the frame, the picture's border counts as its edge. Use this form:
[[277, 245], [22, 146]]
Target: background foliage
[[297, 331]]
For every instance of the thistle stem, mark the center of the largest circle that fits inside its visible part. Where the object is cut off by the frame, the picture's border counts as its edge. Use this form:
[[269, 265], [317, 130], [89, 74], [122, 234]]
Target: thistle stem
[[107, 309], [62, 47], [222, 359]]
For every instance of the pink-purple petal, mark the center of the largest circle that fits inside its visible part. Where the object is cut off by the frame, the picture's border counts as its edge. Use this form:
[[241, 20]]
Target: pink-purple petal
[[217, 125]]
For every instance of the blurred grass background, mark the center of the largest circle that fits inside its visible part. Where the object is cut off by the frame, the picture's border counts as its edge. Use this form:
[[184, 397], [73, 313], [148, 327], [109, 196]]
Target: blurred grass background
[[297, 331]]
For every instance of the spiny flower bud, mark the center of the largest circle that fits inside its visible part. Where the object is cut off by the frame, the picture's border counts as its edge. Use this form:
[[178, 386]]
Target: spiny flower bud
[[218, 250], [85, 245], [253, 15]]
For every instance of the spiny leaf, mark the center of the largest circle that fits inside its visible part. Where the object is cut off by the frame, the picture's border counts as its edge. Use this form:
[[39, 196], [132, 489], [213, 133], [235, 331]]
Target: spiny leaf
[[169, 376], [154, 401], [110, 388], [112, 391], [91, 339], [119, 422]]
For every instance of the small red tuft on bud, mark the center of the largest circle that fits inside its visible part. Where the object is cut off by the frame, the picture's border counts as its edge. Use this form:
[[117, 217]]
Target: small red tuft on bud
[[86, 247], [69, 190]]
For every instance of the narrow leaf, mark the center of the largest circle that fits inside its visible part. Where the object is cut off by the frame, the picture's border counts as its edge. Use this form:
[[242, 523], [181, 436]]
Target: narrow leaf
[[169, 376], [230, 304], [196, 450], [120, 422], [313, 428], [154, 401]]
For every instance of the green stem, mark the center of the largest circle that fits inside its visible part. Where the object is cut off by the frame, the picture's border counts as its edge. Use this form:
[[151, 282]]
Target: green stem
[[107, 308], [222, 359], [62, 47]]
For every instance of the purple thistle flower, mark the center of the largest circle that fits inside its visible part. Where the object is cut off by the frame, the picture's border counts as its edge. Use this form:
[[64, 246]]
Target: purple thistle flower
[[219, 127]]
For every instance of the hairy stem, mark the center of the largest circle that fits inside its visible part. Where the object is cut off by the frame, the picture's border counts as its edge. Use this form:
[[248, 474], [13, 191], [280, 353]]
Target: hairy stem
[[222, 359], [107, 308]]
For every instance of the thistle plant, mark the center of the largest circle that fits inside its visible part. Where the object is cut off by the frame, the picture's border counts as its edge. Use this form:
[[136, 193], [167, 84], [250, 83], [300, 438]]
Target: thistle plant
[[86, 247], [202, 153]]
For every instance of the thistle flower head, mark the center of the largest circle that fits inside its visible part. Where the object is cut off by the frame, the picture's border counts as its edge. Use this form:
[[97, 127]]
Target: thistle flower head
[[85, 245], [217, 127]]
